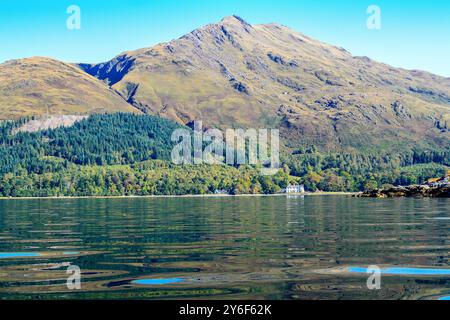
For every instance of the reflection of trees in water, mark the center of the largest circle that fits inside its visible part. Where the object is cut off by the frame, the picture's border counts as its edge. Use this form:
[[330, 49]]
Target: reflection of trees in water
[[261, 246]]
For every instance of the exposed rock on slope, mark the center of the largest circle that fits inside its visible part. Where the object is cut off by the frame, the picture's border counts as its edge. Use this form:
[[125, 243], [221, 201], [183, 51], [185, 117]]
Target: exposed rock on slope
[[49, 122]]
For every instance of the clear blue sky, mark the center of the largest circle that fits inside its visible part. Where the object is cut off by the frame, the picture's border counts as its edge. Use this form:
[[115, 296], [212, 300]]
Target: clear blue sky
[[414, 34]]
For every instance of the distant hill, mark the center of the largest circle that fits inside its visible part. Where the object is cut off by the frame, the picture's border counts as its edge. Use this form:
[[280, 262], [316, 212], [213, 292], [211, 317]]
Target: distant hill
[[235, 74], [42, 86]]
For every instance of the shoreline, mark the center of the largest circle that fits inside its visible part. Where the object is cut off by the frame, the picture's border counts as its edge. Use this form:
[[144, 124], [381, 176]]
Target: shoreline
[[187, 196]]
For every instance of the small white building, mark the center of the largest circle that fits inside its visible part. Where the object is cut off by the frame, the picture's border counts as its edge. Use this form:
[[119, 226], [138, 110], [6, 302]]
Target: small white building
[[221, 192], [295, 188]]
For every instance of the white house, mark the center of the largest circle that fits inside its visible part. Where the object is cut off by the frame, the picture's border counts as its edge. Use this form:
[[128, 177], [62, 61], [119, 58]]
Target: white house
[[295, 189]]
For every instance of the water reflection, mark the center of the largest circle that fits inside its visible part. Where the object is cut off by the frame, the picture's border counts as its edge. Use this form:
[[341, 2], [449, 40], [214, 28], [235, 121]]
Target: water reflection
[[246, 247], [404, 271], [151, 282], [11, 255]]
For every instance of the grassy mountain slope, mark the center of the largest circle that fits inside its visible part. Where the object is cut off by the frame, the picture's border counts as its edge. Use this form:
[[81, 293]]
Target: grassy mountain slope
[[41, 86], [235, 74]]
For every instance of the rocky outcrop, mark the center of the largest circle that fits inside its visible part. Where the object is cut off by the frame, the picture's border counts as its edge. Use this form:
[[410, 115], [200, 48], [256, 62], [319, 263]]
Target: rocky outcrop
[[110, 72], [411, 191]]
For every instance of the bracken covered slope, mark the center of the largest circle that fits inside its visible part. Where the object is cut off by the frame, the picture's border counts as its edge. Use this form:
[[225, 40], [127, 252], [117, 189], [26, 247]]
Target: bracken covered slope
[[41, 86], [236, 74]]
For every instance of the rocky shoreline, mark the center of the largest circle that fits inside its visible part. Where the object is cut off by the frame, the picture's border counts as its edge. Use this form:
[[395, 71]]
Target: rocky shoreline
[[410, 191]]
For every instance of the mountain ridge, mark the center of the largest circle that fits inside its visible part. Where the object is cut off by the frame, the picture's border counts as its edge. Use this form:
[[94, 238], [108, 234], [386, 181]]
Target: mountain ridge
[[234, 74]]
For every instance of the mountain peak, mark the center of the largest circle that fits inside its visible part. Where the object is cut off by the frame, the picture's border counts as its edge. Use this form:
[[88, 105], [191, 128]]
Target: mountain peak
[[235, 21]]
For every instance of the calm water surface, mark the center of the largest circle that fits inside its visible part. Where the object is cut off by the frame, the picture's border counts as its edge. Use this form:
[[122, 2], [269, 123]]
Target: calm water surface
[[230, 248]]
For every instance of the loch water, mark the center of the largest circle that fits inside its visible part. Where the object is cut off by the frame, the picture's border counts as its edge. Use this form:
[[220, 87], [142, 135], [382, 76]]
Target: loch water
[[274, 247]]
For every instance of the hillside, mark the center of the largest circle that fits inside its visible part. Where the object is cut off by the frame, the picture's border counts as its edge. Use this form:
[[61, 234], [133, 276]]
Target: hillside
[[113, 155], [42, 86], [109, 139], [235, 74], [125, 154]]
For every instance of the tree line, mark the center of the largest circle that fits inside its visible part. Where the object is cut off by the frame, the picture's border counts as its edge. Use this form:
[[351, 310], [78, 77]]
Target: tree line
[[125, 154]]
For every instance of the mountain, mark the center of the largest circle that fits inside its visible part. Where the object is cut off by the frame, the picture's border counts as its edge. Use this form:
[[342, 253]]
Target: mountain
[[235, 74], [347, 123], [41, 86]]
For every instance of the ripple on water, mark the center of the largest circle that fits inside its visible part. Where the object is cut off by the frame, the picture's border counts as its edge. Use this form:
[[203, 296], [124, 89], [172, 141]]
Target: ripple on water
[[403, 271], [149, 282], [10, 255], [71, 253]]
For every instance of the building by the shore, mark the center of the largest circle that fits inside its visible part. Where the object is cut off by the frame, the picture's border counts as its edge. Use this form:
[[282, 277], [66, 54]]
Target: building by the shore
[[294, 188], [221, 192]]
